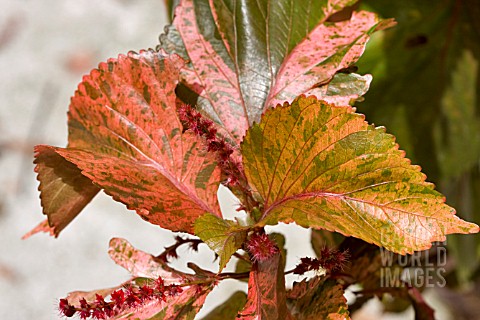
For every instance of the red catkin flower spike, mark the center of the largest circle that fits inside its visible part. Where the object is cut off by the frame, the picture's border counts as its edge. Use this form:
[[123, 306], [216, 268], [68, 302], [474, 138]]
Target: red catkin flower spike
[[131, 296], [194, 121], [330, 259], [118, 297], [85, 309], [98, 313], [66, 309], [261, 247]]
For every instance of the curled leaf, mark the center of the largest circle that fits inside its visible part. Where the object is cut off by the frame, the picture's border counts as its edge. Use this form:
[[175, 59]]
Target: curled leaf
[[64, 191], [184, 305]]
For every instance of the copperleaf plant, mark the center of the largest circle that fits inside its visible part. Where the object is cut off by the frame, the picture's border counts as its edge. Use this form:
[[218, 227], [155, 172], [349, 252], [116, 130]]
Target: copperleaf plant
[[256, 96]]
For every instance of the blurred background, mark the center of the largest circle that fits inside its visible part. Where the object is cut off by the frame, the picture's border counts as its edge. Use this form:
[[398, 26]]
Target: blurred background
[[425, 91]]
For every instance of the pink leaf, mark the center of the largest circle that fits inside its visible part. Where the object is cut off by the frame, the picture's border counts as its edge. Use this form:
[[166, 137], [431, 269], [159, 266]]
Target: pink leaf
[[171, 294], [184, 305], [217, 78], [327, 49], [139, 263]]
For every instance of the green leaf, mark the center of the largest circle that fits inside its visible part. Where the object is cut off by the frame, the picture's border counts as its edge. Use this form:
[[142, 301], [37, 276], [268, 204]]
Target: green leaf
[[344, 89], [459, 141], [324, 167], [224, 237], [247, 56], [229, 309], [318, 298]]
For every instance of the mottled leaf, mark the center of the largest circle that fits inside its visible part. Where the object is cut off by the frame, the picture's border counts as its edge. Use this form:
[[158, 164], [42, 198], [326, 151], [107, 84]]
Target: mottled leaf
[[420, 95], [246, 56], [64, 191], [344, 89], [139, 263], [215, 76], [318, 298], [145, 269], [327, 49], [224, 237], [129, 141], [324, 167], [368, 266], [266, 291], [184, 305], [229, 309]]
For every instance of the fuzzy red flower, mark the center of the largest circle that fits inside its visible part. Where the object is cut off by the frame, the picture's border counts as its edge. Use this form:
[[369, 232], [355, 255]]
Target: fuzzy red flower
[[131, 296], [66, 309], [261, 247]]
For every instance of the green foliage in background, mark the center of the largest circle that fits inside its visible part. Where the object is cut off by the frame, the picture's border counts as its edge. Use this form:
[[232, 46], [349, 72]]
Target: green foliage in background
[[425, 91]]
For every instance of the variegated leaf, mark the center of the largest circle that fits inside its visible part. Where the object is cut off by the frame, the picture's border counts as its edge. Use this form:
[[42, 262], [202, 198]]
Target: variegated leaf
[[128, 140], [324, 167], [246, 56]]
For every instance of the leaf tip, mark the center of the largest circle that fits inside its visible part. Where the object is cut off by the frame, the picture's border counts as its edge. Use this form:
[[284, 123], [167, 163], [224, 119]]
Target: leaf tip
[[41, 227]]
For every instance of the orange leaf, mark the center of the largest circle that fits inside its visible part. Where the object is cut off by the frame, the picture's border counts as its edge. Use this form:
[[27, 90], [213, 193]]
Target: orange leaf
[[125, 136]]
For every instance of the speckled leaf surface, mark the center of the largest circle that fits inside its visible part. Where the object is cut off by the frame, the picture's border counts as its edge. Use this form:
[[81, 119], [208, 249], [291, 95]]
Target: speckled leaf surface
[[324, 167], [318, 298], [246, 56], [327, 49], [343, 89], [266, 299], [129, 141], [139, 263], [224, 237]]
